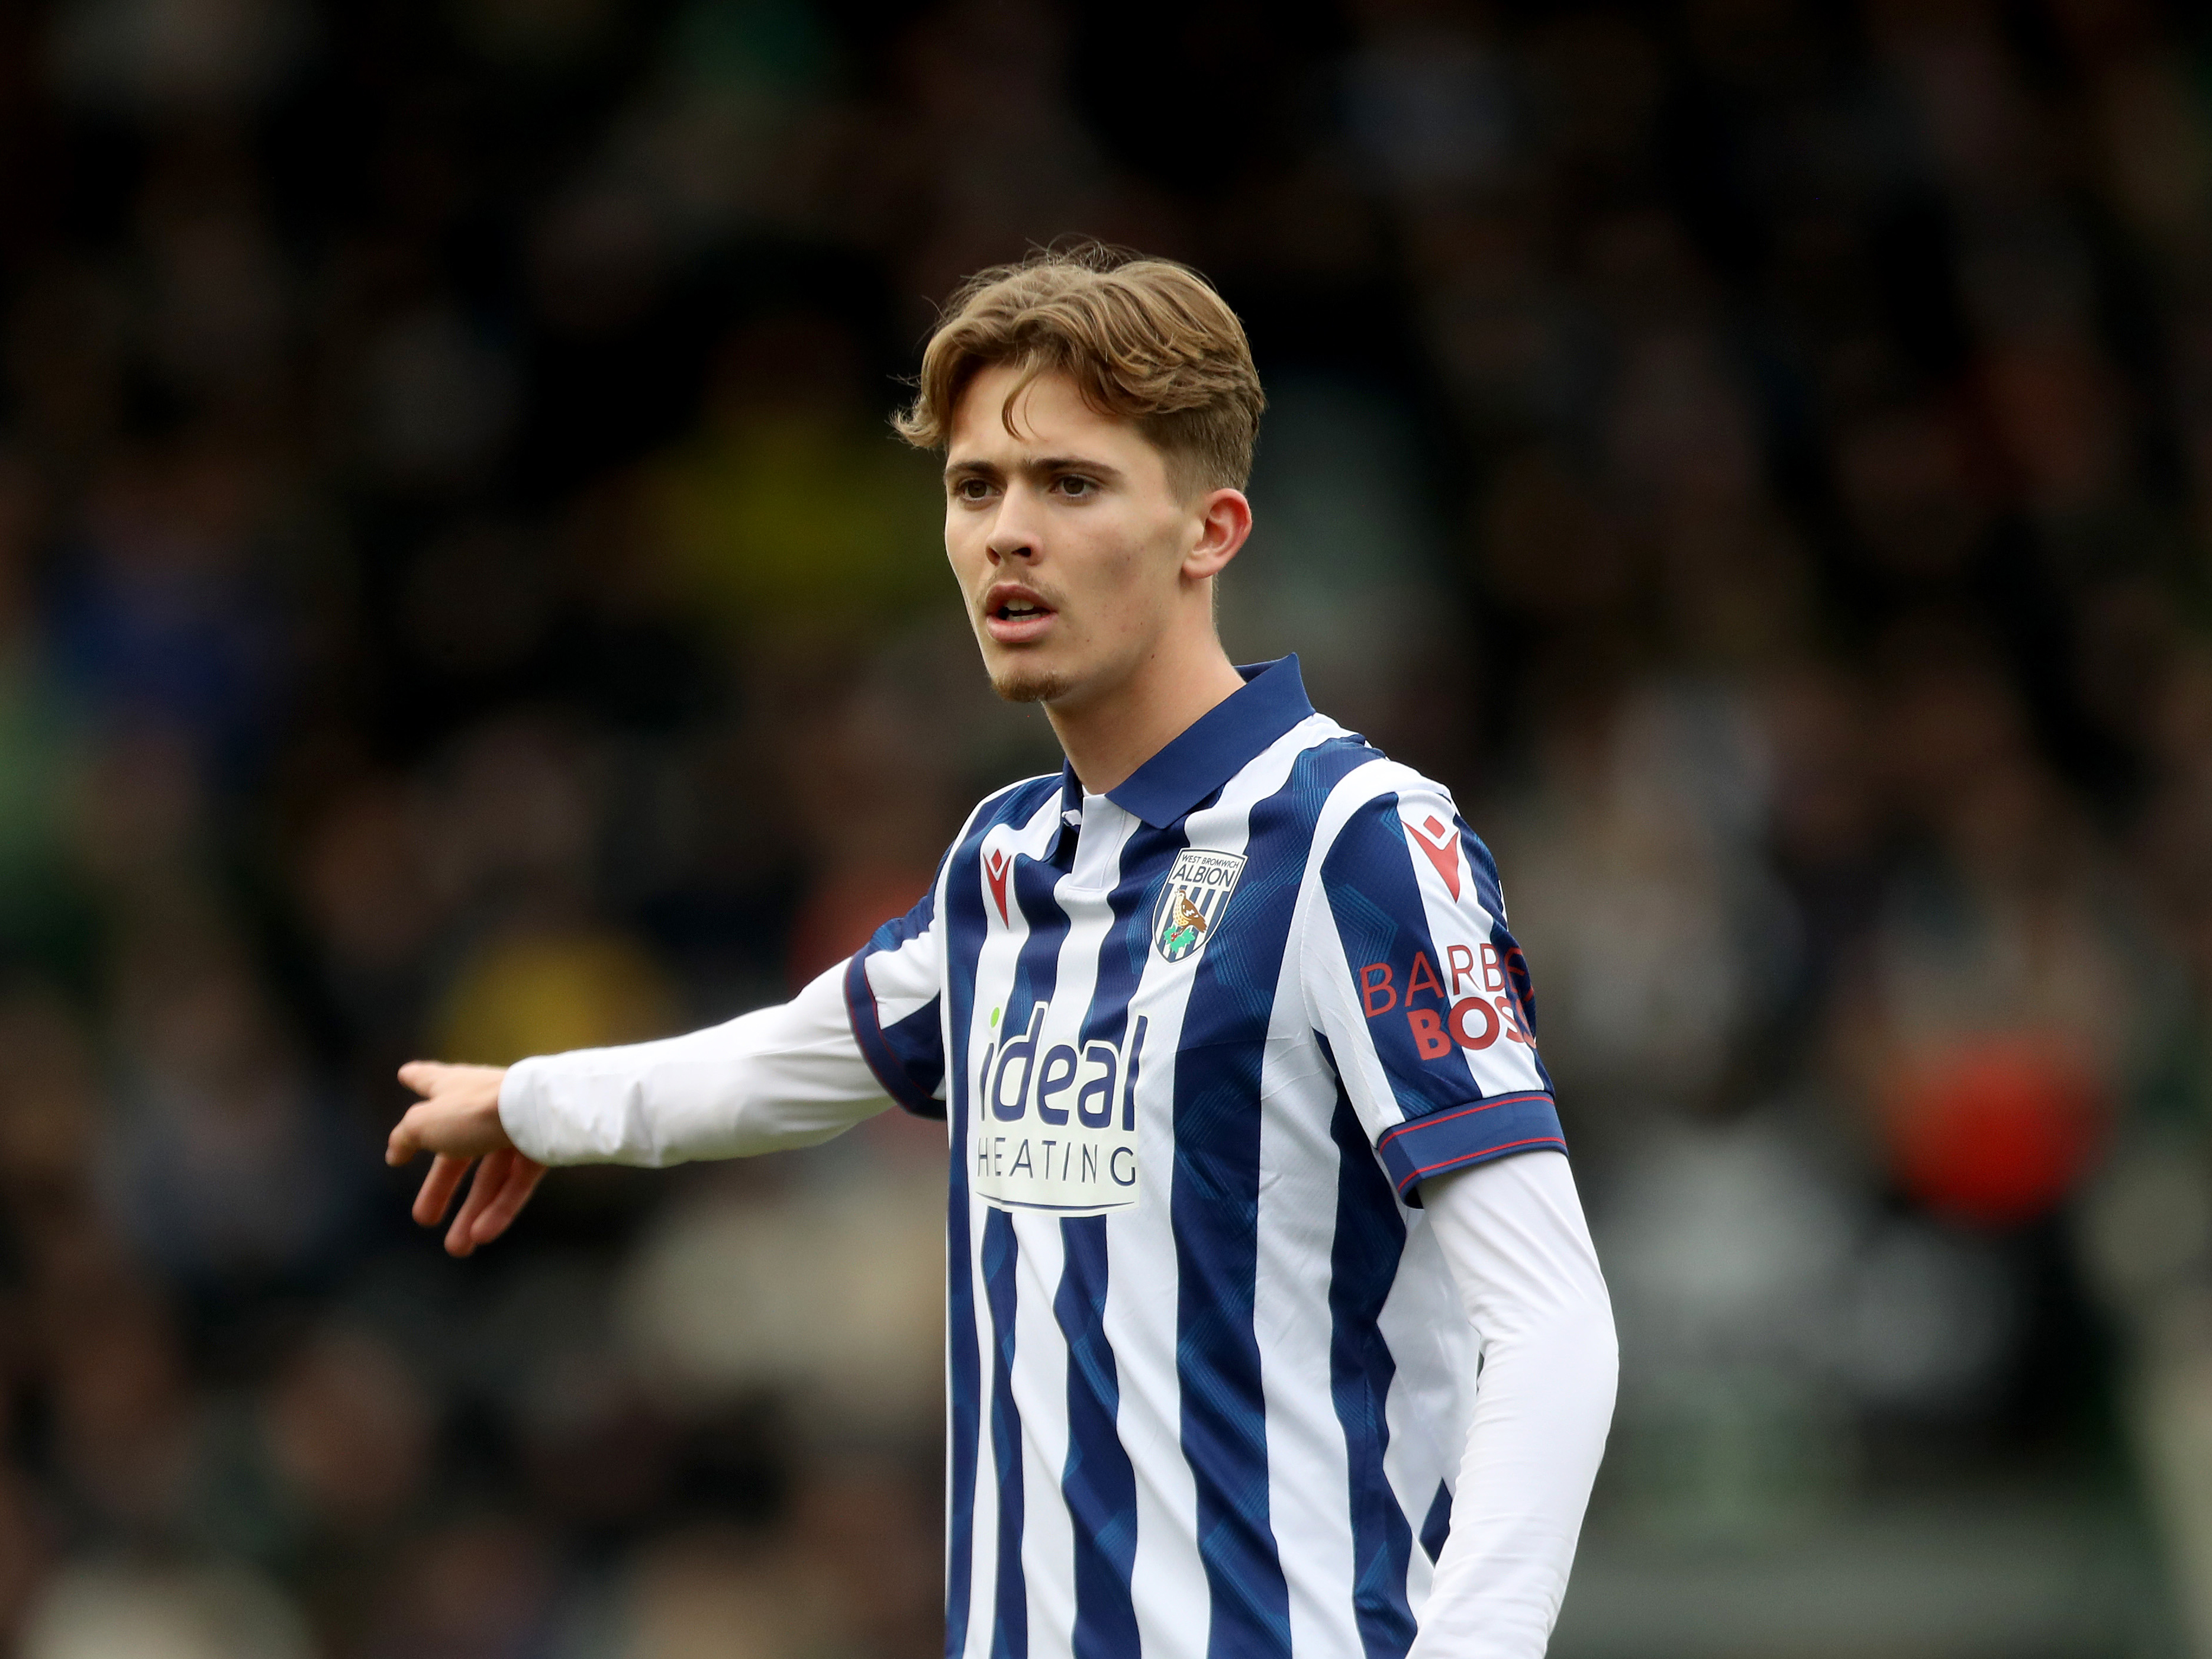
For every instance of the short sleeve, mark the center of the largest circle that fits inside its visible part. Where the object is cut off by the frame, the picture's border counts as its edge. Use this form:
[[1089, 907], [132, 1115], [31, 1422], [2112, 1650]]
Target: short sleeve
[[894, 987], [1421, 995]]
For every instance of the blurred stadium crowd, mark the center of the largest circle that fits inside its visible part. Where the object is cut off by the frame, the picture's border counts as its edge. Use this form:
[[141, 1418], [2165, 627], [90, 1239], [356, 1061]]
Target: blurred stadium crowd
[[458, 596]]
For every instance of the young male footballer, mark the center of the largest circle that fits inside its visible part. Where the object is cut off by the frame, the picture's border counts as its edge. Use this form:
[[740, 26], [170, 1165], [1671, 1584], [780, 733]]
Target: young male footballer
[[1254, 1167]]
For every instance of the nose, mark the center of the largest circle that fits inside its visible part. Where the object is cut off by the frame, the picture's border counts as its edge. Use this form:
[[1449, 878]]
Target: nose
[[1016, 533]]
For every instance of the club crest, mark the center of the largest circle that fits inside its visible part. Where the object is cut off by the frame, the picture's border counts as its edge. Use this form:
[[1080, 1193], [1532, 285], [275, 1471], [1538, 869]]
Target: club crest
[[1190, 905]]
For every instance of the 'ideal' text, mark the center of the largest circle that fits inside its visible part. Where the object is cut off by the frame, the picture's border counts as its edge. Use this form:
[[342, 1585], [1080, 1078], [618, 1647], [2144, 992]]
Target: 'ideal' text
[[1054, 1124]]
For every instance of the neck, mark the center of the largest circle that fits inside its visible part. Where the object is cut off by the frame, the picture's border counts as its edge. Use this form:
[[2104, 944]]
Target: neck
[[1110, 734]]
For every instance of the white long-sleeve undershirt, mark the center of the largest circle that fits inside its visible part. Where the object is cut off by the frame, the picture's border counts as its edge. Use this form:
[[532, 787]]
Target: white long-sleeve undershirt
[[1512, 1233], [1520, 1254], [775, 1078]]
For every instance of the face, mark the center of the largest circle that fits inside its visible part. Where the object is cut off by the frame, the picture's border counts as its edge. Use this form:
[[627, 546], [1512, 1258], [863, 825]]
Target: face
[[1078, 557]]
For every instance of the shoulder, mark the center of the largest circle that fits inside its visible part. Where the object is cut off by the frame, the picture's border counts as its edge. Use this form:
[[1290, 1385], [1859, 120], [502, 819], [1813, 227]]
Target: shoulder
[[1311, 770], [1016, 803], [1360, 783], [1377, 804], [1013, 801]]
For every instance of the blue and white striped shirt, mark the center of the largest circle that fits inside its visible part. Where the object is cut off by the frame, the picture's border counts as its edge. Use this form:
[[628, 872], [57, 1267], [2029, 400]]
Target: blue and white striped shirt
[[1198, 1040]]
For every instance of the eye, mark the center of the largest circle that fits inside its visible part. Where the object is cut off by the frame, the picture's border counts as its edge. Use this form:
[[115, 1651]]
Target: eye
[[1075, 486], [972, 489]]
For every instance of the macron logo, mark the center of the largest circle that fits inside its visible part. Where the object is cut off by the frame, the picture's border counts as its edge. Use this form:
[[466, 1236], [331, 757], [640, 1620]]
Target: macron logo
[[1440, 842], [995, 866]]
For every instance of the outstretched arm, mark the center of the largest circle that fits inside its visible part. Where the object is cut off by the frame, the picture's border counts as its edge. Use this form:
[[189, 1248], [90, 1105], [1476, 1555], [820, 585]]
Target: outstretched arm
[[781, 1077], [1521, 1257]]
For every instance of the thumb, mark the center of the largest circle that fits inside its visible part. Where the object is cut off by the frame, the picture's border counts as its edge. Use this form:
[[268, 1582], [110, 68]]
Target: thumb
[[422, 1076]]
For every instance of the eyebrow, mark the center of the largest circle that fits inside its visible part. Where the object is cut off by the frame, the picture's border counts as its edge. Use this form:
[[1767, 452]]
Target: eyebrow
[[1043, 464]]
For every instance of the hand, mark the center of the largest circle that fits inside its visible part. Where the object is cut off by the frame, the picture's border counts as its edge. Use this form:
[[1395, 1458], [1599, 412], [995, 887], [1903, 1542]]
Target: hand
[[457, 1120]]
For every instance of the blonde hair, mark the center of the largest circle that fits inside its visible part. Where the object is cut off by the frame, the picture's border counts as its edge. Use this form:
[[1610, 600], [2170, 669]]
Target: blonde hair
[[1147, 341]]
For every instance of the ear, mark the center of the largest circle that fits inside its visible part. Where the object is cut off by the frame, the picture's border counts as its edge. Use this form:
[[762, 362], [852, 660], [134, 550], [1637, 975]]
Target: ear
[[1224, 521]]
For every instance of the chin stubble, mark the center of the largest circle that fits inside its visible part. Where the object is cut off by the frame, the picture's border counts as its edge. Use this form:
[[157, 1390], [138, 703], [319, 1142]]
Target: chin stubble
[[1018, 683]]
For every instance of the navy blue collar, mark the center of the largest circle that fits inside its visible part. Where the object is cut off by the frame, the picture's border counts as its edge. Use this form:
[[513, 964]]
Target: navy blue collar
[[1215, 747]]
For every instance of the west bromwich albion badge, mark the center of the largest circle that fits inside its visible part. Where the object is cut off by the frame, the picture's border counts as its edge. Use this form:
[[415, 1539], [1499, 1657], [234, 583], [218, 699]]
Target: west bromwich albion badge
[[1191, 903]]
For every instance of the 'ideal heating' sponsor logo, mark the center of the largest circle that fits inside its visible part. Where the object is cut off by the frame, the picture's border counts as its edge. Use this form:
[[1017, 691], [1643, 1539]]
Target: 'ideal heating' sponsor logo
[[1056, 1122], [1476, 1009]]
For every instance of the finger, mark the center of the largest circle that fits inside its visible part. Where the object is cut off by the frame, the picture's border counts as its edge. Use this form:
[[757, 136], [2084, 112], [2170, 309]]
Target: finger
[[518, 1181], [405, 1141], [460, 1237], [438, 1187], [420, 1075]]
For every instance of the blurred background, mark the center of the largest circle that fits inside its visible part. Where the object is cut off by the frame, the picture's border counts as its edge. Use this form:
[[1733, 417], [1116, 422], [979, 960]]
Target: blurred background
[[456, 585]]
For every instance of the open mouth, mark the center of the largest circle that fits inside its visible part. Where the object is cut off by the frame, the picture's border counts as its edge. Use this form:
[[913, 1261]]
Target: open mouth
[[1013, 615]]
